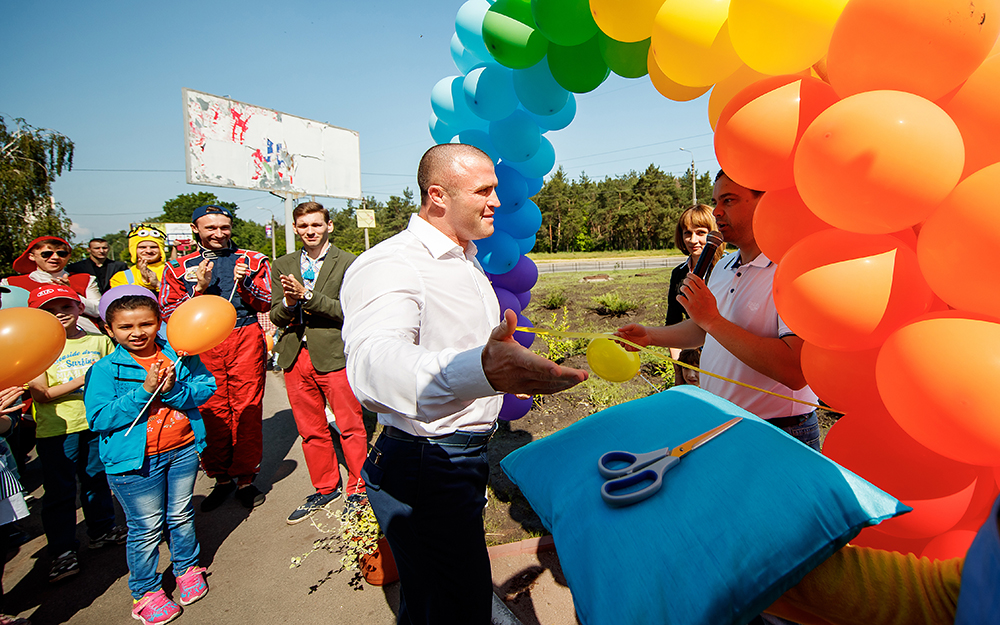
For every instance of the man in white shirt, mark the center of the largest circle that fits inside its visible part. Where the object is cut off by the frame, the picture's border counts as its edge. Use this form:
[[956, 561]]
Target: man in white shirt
[[735, 319], [425, 353]]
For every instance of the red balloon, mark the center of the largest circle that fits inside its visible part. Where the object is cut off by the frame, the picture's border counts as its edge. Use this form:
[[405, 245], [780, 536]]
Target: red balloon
[[953, 544], [950, 406], [759, 129], [781, 220], [872, 538], [200, 323], [31, 340], [926, 47], [846, 291], [974, 107], [844, 380], [878, 161], [942, 254]]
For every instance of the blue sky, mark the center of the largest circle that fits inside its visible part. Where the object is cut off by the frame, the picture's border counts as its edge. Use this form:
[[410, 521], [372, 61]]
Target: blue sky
[[109, 76]]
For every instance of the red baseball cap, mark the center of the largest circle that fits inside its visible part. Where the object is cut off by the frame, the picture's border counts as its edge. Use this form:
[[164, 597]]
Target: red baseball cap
[[23, 264], [48, 293]]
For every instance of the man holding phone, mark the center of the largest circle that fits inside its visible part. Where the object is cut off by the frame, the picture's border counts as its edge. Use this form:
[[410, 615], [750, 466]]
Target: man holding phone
[[233, 415]]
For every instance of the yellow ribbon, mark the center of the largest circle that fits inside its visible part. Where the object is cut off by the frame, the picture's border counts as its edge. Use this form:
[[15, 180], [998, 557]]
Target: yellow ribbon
[[658, 355]]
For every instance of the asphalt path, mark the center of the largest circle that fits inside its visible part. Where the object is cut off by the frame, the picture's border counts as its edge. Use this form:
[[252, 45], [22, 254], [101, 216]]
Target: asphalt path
[[248, 555], [613, 264]]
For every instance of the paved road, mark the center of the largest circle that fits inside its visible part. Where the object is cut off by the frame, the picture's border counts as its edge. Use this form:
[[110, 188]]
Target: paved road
[[617, 264], [247, 553]]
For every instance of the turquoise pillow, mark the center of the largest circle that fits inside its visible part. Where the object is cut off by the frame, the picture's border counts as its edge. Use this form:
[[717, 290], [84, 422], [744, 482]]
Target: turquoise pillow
[[738, 522]]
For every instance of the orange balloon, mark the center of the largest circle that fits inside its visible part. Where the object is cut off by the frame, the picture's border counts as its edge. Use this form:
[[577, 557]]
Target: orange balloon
[[200, 323], [844, 380], [943, 254], [781, 220], [926, 47], [30, 340], [269, 341], [759, 129], [952, 405], [668, 88], [847, 291], [953, 544], [974, 107], [727, 88], [878, 162]]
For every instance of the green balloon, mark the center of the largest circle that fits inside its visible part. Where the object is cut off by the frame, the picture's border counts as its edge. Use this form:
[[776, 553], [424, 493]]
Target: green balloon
[[511, 36], [578, 68], [565, 22], [628, 60]]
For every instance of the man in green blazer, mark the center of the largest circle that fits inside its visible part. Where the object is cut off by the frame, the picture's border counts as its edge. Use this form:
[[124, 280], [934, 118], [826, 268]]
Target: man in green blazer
[[305, 292]]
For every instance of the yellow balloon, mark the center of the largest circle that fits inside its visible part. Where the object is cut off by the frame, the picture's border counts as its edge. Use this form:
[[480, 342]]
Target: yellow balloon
[[782, 36], [611, 361], [668, 88], [727, 88], [690, 41], [625, 20]]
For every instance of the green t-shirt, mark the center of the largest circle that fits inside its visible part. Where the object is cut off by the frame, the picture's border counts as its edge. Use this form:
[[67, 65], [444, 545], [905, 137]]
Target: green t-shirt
[[67, 414]]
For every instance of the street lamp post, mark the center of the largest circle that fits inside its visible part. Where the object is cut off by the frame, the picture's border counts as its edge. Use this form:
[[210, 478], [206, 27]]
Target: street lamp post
[[694, 191], [274, 226]]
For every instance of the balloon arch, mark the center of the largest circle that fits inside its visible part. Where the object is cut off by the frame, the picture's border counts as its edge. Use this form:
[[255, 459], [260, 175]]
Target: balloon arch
[[873, 125]]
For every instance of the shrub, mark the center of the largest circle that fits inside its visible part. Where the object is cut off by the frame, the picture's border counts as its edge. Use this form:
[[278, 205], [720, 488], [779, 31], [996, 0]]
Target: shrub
[[613, 304], [554, 300]]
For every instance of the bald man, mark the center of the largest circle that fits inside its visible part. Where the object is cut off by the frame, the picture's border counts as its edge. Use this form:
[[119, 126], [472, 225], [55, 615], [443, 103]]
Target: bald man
[[425, 352]]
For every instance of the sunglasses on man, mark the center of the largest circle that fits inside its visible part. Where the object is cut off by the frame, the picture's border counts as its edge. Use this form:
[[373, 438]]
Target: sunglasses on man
[[47, 254]]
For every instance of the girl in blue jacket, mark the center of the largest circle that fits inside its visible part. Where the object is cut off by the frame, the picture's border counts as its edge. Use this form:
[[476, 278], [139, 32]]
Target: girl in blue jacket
[[151, 468]]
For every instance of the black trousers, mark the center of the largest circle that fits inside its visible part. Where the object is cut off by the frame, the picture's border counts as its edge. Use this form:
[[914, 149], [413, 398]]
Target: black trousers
[[429, 501]]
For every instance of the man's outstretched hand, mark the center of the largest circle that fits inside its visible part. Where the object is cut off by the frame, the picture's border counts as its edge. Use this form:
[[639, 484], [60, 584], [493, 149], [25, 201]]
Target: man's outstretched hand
[[511, 368]]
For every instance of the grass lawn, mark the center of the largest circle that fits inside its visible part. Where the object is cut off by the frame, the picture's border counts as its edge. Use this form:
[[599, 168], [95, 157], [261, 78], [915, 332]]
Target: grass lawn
[[540, 257]]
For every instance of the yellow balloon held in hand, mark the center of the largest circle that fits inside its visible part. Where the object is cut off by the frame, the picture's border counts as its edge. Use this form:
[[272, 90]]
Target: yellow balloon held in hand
[[611, 361]]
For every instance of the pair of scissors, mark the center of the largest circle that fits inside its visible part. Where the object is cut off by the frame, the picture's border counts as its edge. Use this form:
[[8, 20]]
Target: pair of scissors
[[647, 467]]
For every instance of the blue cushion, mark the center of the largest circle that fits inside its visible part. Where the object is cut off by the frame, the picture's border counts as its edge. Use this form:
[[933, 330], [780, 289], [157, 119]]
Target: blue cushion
[[738, 522]]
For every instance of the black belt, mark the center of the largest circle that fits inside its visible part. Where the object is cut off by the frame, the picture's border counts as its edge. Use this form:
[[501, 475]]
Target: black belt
[[790, 422], [459, 439]]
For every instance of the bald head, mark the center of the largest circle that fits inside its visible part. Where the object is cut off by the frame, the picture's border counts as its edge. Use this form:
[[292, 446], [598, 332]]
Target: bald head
[[437, 166]]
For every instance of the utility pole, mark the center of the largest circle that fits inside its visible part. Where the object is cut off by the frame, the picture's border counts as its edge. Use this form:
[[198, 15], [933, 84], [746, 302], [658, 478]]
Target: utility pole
[[694, 178]]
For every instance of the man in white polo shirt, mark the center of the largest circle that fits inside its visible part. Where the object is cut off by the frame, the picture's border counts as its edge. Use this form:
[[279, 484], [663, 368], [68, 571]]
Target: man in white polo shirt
[[735, 319]]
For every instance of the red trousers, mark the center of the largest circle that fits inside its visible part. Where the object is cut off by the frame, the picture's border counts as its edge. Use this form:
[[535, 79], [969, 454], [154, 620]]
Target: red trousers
[[233, 415], [308, 392]]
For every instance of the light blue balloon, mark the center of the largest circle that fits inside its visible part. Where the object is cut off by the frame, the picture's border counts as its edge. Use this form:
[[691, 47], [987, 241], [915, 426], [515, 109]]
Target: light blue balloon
[[534, 185], [448, 104], [464, 59], [512, 190], [440, 131], [539, 164], [558, 120], [538, 91], [469, 27], [497, 253], [481, 140], [522, 223], [526, 245], [489, 92], [516, 137], [17, 298]]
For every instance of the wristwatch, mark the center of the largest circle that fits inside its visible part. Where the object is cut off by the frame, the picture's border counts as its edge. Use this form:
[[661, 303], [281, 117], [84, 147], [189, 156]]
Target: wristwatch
[[309, 295]]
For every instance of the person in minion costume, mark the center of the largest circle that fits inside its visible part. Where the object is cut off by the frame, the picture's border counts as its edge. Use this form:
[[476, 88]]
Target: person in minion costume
[[147, 246]]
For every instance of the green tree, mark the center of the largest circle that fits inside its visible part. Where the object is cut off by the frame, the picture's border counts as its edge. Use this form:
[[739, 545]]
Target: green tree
[[30, 159]]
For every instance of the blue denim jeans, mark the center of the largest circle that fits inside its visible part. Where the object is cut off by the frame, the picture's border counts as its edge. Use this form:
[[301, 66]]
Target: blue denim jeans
[[807, 431], [156, 497], [66, 458]]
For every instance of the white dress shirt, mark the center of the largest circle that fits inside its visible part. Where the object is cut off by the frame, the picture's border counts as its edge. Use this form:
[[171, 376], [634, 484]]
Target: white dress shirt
[[743, 294], [418, 310]]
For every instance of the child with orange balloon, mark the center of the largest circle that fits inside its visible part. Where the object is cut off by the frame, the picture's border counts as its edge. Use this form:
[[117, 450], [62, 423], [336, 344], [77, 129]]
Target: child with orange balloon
[[66, 447], [151, 469]]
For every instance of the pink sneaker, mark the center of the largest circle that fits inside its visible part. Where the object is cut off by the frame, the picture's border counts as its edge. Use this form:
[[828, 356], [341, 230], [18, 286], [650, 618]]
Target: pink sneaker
[[192, 585], [155, 608]]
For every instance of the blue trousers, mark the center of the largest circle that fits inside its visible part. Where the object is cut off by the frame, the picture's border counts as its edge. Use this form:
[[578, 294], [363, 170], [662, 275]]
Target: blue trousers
[[66, 458], [155, 498], [807, 431], [429, 499]]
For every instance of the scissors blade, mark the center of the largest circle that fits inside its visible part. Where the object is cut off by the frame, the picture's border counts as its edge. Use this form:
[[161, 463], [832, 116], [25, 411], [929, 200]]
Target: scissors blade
[[700, 440]]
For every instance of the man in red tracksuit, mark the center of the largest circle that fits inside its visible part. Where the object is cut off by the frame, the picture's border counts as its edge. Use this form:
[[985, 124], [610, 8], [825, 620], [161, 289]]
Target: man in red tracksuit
[[233, 415]]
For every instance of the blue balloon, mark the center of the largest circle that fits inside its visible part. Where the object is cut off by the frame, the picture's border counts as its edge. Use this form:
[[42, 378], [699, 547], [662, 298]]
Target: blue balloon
[[448, 103], [513, 407], [526, 244], [521, 278], [17, 298], [489, 92], [464, 59], [440, 131], [534, 185], [481, 140], [508, 301], [540, 164], [512, 190], [516, 137], [469, 27], [538, 91], [524, 298], [497, 253], [522, 223], [559, 119], [524, 338]]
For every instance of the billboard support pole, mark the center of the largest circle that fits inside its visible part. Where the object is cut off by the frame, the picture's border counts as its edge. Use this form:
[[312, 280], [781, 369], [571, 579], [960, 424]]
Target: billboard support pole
[[289, 223]]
